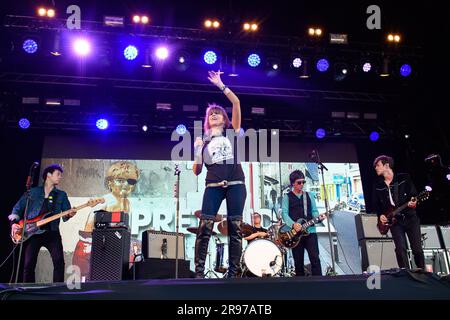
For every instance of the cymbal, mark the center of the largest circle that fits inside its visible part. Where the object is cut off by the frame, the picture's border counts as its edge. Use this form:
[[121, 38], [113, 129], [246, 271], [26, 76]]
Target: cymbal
[[223, 227], [246, 229], [198, 213], [217, 218], [194, 230]]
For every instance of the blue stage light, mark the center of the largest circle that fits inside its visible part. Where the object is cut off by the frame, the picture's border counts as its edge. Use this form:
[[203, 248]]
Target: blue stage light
[[130, 52], [254, 60], [210, 57], [30, 46]]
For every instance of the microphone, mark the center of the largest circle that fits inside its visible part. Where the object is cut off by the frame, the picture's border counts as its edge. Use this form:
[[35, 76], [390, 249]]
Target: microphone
[[30, 175], [314, 156]]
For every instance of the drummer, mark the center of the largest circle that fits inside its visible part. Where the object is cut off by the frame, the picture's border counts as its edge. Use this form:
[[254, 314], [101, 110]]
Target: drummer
[[258, 230]]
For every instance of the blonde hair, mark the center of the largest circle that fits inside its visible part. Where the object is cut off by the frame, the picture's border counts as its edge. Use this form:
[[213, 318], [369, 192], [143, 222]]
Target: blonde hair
[[121, 170], [215, 107]]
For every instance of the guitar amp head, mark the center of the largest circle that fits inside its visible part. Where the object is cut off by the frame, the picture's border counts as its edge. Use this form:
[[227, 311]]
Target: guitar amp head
[[105, 219]]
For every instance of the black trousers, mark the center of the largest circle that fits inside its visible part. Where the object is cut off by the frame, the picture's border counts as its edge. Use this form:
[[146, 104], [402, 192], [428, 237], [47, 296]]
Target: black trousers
[[311, 244], [410, 226], [50, 240]]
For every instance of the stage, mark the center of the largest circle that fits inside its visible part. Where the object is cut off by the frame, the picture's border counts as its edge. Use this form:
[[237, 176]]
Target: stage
[[397, 285]]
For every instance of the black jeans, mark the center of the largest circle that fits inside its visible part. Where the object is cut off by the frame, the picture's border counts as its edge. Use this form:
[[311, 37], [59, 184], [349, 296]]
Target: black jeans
[[235, 196], [411, 227], [311, 244], [50, 240]]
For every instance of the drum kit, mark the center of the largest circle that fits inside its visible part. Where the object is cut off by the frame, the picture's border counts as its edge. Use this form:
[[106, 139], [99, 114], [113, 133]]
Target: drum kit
[[263, 257]]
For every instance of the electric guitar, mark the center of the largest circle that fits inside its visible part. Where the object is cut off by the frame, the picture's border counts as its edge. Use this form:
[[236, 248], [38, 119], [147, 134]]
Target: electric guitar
[[291, 238], [392, 213], [34, 225]]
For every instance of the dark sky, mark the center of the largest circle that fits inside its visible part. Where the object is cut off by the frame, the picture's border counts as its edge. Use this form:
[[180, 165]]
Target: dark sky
[[277, 17]]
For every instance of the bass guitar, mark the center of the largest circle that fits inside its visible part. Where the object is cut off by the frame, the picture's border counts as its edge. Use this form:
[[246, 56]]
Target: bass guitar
[[34, 225]]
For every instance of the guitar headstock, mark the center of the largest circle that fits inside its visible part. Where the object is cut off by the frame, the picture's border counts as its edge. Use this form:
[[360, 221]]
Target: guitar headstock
[[424, 195], [93, 202]]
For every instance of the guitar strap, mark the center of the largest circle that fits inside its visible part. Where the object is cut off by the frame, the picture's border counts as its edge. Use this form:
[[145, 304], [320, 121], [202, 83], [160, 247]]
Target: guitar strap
[[396, 193], [305, 204]]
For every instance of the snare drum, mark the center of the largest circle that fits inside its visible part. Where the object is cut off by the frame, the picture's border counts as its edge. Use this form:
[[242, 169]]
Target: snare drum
[[263, 258]]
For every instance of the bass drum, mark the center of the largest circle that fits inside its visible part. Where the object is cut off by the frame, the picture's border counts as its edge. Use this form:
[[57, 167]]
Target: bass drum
[[263, 258]]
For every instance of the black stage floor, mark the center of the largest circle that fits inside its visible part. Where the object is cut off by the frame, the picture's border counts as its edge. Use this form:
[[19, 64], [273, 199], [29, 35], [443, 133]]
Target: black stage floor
[[403, 285]]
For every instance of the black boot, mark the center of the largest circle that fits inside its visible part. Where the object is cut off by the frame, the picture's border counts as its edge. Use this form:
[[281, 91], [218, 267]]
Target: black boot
[[234, 247], [201, 245]]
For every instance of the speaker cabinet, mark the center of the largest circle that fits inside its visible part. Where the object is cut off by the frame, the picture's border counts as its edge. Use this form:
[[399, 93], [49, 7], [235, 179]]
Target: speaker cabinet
[[379, 252], [110, 254]]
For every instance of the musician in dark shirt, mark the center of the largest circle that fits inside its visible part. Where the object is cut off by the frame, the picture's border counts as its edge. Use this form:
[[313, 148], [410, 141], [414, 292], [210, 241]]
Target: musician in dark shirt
[[393, 190], [43, 199], [258, 230], [224, 179]]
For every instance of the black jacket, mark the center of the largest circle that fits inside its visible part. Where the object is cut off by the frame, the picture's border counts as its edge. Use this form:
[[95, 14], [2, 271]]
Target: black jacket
[[406, 190]]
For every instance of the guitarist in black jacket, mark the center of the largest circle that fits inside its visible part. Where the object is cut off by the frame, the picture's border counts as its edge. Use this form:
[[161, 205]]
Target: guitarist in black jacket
[[393, 190]]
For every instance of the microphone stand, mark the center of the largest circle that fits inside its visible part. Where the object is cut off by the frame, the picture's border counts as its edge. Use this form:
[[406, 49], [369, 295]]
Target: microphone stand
[[28, 184], [177, 195], [321, 167]]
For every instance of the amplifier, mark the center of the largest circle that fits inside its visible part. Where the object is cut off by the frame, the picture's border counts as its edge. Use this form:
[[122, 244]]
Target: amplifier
[[379, 252], [154, 268], [430, 237], [105, 219], [366, 227], [436, 261], [161, 244], [445, 231]]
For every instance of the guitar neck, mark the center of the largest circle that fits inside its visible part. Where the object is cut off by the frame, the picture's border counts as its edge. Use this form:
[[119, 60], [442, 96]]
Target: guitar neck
[[311, 222], [59, 215], [399, 209]]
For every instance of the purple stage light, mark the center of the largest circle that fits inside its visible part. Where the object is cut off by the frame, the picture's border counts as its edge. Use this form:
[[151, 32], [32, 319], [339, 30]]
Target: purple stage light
[[24, 123], [367, 67], [323, 65], [405, 70], [162, 53], [374, 136], [30, 46], [82, 47], [320, 133], [297, 63]]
